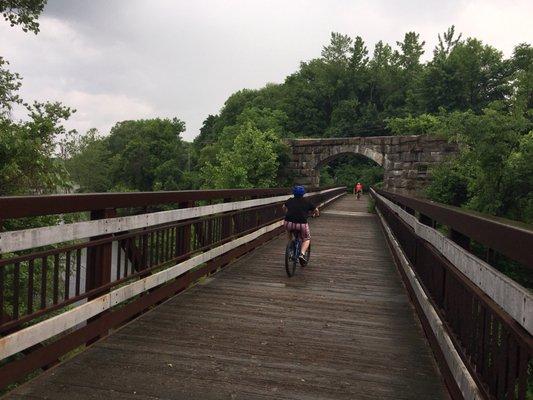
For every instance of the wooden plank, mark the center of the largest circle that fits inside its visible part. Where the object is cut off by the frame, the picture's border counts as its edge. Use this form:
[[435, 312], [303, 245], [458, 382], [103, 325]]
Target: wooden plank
[[342, 328]]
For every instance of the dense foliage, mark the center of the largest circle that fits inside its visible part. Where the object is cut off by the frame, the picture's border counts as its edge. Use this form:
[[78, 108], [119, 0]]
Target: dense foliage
[[250, 161], [494, 170], [141, 155], [23, 12], [27, 159], [347, 170], [346, 92]]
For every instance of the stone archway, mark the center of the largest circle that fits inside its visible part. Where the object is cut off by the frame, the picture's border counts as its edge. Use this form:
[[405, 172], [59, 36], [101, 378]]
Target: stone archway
[[405, 159]]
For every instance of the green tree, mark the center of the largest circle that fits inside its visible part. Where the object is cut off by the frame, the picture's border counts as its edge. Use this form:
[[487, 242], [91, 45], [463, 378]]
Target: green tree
[[420, 125], [347, 170], [250, 162], [338, 50], [9, 85], [446, 43], [522, 76], [470, 76], [207, 133], [263, 119], [23, 12], [142, 155], [88, 161], [345, 119], [310, 98], [148, 154], [411, 49], [493, 172], [385, 95], [28, 164], [358, 55]]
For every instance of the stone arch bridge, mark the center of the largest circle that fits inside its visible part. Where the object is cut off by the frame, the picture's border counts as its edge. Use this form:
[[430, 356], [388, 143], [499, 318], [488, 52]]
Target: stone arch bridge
[[405, 159]]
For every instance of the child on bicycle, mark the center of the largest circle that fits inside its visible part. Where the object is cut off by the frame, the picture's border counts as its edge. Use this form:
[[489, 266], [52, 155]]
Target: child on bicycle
[[297, 210]]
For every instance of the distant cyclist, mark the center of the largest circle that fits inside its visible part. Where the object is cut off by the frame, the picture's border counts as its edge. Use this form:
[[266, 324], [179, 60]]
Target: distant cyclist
[[297, 210], [358, 190]]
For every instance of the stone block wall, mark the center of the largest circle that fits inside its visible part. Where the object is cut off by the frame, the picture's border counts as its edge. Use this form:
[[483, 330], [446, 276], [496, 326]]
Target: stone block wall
[[406, 160]]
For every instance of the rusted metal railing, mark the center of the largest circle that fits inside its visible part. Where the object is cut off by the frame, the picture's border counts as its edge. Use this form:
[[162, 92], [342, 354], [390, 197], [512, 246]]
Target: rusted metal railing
[[487, 316]]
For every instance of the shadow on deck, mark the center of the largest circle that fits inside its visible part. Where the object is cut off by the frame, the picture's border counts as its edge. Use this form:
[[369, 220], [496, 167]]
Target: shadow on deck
[[342, 328]]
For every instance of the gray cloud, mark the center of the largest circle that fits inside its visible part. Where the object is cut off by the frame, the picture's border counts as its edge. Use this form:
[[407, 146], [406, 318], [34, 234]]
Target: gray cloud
[[126, 59]]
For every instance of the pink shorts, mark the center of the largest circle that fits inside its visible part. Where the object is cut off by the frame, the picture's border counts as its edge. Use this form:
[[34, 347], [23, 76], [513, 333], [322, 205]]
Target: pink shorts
[[302, 229]]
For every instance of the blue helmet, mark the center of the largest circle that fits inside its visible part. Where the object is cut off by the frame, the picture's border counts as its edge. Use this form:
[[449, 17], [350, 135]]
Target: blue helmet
[[298, 191]]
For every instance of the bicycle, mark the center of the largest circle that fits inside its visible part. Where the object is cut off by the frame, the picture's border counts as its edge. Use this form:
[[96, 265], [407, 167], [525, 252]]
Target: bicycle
[[292, 254]]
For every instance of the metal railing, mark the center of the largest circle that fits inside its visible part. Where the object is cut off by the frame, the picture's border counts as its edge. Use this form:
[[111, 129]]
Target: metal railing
[[139, 247], [488, 317]]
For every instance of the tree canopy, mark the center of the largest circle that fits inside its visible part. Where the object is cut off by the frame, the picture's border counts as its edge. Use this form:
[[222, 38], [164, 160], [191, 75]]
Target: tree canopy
[[250, 161], [142, 155], [28, 160], [23, 12], [347, 92]]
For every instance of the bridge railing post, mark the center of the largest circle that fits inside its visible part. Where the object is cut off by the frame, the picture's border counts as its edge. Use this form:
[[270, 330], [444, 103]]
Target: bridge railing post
[[99, 260], [184, 236], [490, 256], [460, 239], [4, 317], [424, 219], [257, 214], [144, 246], [227, 222]]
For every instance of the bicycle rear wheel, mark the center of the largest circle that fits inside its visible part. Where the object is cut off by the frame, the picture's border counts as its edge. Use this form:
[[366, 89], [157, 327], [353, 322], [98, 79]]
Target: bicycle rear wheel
[[290, 261]]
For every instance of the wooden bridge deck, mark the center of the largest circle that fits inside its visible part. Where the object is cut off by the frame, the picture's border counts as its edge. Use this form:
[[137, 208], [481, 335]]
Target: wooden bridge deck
[[343, 328]]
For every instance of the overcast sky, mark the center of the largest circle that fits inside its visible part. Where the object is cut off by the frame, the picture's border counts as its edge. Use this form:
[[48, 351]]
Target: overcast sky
[[114, 60]]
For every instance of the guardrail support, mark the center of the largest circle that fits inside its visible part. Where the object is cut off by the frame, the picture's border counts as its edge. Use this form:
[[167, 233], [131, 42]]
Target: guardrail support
[[460, 239], [183, 240], [4, 317], [227, 223], [99, 260], [424, 219], [491, 256]]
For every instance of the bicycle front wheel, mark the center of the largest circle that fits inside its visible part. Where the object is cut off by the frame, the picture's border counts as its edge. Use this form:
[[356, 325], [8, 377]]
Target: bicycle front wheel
[[290, 262]]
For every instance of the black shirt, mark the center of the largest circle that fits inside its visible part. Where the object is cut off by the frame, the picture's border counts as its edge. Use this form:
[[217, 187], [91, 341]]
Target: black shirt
[[298, 209]]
